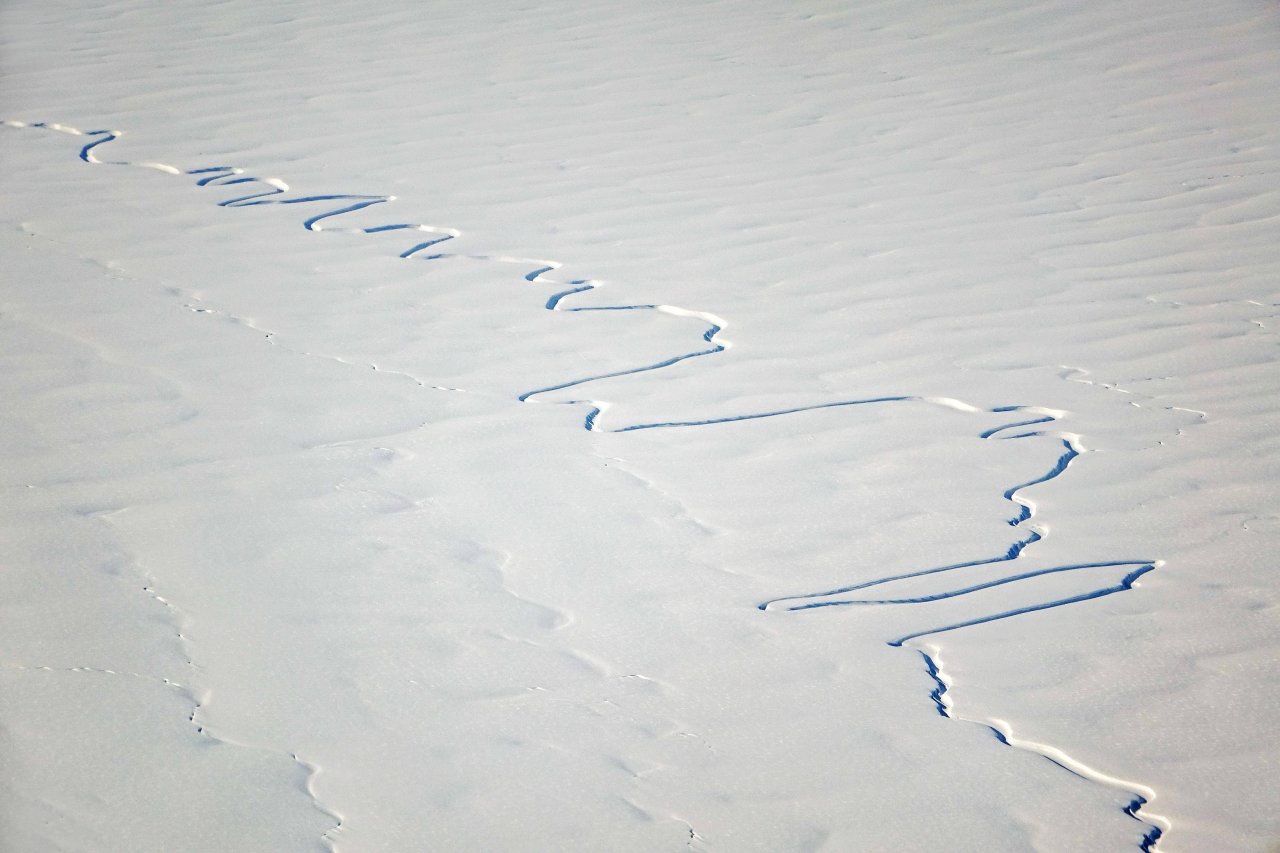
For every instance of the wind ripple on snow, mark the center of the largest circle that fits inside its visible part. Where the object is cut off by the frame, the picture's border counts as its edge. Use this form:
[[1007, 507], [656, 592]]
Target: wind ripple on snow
[[958, 579]]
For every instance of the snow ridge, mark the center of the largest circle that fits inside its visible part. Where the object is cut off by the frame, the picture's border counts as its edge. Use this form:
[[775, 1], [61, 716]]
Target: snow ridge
[[269, 190]]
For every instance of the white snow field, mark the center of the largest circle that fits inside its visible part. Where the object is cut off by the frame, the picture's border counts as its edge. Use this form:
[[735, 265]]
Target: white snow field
[[716, 426]]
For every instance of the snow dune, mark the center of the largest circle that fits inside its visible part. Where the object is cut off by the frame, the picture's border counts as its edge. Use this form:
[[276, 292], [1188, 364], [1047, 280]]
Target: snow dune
[[716, 427]]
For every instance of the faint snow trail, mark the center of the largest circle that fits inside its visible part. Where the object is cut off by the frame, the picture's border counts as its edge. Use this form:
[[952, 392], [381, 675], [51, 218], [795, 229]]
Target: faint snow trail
[[269, 190]]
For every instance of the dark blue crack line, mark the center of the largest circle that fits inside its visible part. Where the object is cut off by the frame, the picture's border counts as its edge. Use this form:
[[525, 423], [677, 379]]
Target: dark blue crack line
[[555, 299], [358, 203], [85, 155], [630, 371], [1057, 470], [940, 686], [1047, 419], [413, 250], [213, 173], [1012, 553], [1014, 550], [1153, 835], [759, 415], [979, 587], [943, 706], [1127, 583]]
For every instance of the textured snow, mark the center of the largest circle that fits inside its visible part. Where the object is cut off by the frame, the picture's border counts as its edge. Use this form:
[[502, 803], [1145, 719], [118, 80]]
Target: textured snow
[[714, 426]]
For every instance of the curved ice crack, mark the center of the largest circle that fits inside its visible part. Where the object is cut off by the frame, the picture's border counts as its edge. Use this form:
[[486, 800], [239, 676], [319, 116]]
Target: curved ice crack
[[1142, 795]]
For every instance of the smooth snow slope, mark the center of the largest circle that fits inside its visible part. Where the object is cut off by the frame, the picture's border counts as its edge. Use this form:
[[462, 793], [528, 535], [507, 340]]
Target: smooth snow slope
[[716, 426]]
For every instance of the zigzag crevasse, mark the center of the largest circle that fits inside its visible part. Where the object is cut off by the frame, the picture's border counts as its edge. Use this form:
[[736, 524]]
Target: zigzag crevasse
[[1032, 420]]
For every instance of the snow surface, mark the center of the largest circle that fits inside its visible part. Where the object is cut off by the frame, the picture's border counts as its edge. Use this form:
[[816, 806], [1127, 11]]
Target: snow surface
[[715, 426]]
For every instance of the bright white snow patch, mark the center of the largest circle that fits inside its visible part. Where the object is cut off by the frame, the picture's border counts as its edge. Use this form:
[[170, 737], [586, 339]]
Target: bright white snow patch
[[290, 563]]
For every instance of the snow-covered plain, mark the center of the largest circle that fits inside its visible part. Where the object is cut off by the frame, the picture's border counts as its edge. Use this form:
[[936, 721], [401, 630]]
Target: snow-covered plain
[[895, 467]]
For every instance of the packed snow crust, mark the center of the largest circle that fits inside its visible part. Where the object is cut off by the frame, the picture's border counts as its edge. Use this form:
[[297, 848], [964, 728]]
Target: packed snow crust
[[636, 427]]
